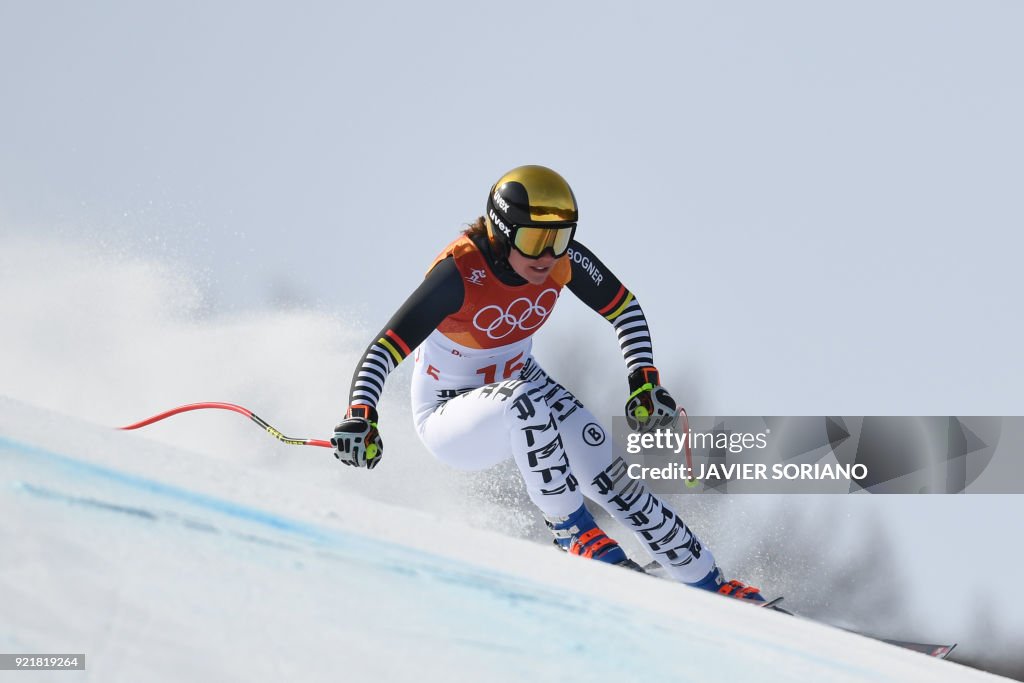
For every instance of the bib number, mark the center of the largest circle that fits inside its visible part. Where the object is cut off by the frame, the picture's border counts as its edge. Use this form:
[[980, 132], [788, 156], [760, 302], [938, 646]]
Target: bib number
[[512, 366]]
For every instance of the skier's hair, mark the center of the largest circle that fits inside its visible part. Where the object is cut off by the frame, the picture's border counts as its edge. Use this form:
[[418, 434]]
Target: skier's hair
[[477, 228]]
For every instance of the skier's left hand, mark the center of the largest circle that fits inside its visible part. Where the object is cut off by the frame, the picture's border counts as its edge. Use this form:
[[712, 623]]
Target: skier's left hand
[[650, 406]]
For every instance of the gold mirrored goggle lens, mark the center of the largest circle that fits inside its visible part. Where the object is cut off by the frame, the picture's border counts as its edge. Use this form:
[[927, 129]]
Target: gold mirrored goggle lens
[[533, 241]]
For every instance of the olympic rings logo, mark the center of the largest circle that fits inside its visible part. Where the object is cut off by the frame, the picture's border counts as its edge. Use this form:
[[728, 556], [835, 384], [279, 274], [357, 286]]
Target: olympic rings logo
[[521, 314]]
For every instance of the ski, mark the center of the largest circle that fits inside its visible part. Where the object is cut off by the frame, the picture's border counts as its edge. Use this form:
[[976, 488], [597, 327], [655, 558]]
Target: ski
[[768, 604], [940, 651], [931, 649]]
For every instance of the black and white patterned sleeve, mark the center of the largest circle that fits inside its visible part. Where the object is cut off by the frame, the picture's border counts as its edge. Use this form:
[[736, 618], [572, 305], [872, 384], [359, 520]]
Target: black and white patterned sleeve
[[438, 296], [599, 289]]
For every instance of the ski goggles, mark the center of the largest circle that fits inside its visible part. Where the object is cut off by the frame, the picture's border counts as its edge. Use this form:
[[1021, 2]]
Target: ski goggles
[[533, 240]]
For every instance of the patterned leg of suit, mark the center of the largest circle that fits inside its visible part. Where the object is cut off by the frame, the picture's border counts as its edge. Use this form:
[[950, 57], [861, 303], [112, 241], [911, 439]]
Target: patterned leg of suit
[[563, 454]]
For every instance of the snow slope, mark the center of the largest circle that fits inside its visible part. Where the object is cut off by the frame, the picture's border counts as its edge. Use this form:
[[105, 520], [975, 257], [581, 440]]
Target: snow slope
[[162, 564]]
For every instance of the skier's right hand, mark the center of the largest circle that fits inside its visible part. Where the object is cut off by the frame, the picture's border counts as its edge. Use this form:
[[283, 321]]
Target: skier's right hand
[[356, 440]]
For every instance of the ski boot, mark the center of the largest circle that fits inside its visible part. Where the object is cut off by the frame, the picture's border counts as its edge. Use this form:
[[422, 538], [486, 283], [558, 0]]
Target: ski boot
[[579, 534], [733, 589]]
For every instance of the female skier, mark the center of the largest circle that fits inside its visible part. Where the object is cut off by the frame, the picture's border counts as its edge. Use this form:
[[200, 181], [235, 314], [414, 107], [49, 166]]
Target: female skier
[[480, 397]]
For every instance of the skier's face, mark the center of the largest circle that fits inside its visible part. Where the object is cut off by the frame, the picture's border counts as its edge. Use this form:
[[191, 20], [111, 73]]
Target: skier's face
[[533, 270]]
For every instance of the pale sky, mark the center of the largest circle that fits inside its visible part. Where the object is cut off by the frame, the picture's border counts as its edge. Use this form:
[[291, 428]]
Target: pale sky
[[817, 203]]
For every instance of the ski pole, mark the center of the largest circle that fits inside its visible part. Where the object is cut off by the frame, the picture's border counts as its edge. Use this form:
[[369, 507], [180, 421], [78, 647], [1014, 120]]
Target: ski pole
[[238, 409], [690, 481]]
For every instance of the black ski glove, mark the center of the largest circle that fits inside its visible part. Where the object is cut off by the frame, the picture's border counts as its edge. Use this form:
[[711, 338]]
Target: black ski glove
[[649, 406], [356, 441]]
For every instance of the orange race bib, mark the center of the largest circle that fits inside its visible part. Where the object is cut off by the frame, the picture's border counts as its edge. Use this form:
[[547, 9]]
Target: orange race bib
[[494, 314]]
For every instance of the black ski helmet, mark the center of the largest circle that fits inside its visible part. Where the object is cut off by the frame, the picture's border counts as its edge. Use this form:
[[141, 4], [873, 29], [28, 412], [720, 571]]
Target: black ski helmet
[[528, 196]]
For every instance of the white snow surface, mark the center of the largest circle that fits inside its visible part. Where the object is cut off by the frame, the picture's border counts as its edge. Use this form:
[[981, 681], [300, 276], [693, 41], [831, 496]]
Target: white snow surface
[[163, 564]]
